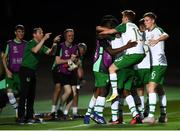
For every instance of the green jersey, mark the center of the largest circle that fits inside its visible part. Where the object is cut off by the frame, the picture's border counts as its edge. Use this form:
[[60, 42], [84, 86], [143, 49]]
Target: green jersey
[[31, 59]]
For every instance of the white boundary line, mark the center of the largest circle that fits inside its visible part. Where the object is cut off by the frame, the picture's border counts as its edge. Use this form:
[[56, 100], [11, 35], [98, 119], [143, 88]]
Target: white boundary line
[[81, 125], [86, 125]]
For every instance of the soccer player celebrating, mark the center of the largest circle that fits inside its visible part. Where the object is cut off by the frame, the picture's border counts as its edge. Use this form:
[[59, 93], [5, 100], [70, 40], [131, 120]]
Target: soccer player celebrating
[[155, 37], [102, 61], [67, 62], [132, 56], [27, 74]]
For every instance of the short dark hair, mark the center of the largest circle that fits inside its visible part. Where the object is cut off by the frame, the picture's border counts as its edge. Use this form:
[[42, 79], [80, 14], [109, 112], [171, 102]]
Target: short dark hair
[[36, 29], [151, 15], [82, 45], [67, 30], [141, 21], [109, 21], [19, 27], [130, 14]]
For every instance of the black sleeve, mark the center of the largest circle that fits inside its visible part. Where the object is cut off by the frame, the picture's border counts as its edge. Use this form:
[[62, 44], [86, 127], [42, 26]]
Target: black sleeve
[[58, 50]]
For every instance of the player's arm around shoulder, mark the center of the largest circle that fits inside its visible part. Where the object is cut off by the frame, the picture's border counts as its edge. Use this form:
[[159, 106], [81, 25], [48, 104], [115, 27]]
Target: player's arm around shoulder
[[162, 36]]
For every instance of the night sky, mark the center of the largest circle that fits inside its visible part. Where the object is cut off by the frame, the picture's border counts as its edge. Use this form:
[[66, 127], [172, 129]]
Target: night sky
[[83, 16], [56, 15]]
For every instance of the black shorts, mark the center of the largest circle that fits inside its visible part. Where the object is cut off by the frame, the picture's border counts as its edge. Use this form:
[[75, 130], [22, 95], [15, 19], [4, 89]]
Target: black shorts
[[65, 79], [69, 79]]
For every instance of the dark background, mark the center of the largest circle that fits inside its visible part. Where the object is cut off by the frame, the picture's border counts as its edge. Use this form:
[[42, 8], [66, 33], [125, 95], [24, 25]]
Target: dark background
[[83, 16]]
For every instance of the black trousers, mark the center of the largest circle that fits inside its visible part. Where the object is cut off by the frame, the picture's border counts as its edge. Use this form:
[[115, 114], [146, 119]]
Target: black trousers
[[27, 94]]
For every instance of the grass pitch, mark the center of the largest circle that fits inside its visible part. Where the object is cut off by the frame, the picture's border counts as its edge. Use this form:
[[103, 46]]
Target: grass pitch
[[7, 120]]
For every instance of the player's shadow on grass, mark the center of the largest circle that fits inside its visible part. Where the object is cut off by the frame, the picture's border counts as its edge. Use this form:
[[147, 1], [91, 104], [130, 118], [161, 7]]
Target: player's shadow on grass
[[8, 124], [127, 125]]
